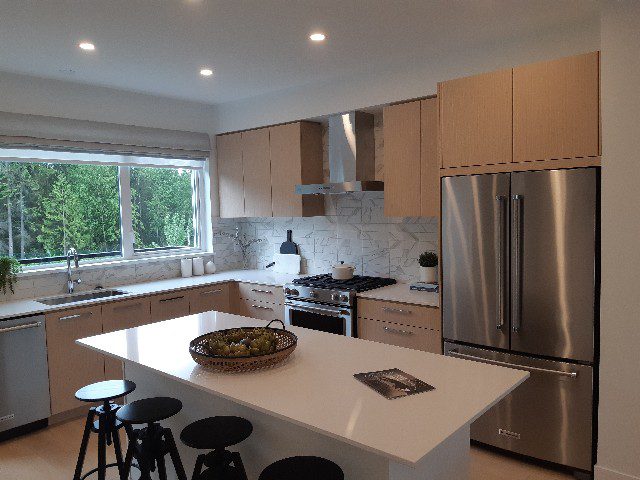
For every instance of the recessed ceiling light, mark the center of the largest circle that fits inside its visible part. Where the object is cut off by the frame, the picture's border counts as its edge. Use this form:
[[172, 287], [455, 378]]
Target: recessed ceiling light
[[206, 72], [88, 46], [317, 37]]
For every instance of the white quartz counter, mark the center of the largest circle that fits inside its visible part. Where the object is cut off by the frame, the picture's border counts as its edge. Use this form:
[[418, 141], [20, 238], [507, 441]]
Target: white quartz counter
[[400, 292], [265, 277], [315, 388]]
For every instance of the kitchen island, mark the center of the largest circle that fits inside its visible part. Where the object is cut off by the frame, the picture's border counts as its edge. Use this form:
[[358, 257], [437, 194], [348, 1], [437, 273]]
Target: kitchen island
[[312, 405]]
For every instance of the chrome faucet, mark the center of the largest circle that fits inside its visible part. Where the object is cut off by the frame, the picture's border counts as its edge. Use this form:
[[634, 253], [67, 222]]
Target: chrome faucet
[[72, 254]]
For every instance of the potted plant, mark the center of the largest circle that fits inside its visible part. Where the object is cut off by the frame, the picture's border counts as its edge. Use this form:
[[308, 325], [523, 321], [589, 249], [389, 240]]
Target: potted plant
[[428, 267], [9, 269]]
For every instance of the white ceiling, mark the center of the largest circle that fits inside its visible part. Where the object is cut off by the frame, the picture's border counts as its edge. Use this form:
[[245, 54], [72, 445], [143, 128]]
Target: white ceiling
[[255, 46]]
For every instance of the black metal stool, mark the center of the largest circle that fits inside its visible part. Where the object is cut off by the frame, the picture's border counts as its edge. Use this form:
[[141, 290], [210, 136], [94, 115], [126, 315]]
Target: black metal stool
[[106, 426], [217, 434], [302, 468], [150, 444]]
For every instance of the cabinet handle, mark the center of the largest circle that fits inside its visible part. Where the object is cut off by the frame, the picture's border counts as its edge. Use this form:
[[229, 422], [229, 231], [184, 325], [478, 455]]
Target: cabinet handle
[[77, 315], [21, 327], [126, 307], [257, 290], [211, 292], [396, 310], [397, 331], [171, 299], [263, 308]]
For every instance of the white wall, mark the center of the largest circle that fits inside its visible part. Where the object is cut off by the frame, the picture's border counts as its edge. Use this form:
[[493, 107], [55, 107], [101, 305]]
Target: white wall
[[619, 413], [25, 94]]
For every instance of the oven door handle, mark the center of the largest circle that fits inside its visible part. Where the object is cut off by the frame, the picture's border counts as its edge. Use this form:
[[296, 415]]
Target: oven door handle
[[322, 311]]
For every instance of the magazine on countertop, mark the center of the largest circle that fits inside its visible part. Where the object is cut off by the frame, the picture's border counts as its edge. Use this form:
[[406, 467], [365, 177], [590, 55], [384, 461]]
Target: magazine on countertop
[[393, 383]]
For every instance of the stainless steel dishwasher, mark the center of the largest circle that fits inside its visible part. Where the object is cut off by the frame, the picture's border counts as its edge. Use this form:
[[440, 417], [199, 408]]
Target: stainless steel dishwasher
[[24, 375]]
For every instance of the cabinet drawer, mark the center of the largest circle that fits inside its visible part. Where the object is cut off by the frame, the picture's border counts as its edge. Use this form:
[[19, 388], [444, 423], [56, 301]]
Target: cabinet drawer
[[400, 335], [169, 305], [402, 313], [211, 297], [261, 293], [261, 310], [72, 366]]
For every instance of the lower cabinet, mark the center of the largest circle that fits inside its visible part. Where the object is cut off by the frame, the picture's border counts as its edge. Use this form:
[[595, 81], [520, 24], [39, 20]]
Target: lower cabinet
[[261, 310], [72, 366], [119, 316], [169, 305], [401, 324], [211, 297]]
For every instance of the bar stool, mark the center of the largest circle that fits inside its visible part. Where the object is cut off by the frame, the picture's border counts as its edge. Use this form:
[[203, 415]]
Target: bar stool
[[302, 468], [106, 426], [217, 434], [150, 444]]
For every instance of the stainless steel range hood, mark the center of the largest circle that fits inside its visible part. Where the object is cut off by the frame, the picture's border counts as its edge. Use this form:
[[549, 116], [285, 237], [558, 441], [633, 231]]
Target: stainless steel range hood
[[352, 162]]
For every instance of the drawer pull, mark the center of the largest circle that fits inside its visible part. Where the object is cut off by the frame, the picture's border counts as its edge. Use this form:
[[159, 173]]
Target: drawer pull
[[118, 308], [396, 310], [171, 299], [397, 331], [20, 327], [212, 292], [263, 308], [257, 290], [77, 315]]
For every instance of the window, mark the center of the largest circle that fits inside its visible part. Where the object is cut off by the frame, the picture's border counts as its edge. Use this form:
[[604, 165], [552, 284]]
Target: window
[[102, 205]]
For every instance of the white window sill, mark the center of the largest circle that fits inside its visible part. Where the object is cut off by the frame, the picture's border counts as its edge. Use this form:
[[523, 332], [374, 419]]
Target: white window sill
[[97, 264]]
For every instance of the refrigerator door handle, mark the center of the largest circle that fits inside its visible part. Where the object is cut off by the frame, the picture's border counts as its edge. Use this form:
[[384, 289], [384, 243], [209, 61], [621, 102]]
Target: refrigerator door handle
[[501, 233], [455, 353], [516, 262]]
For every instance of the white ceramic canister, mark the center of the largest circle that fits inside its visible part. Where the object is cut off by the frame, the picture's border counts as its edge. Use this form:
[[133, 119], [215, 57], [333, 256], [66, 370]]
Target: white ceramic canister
[[186, 267], [198, 266], [210, 267]]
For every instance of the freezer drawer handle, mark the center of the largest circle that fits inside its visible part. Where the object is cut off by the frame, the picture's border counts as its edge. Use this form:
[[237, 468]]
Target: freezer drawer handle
[[20, 327], [501, 232], [455, 353]]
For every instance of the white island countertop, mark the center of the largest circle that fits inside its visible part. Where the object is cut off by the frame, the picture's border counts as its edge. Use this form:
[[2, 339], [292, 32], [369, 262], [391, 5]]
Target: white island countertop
[[315, 387]]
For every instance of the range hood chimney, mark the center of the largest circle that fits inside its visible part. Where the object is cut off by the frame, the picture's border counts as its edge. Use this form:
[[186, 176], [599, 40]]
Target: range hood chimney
[[352, 162]]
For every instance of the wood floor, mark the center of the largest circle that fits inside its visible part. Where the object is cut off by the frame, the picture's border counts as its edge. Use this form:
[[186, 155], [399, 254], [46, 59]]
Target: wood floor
[[51, 454]]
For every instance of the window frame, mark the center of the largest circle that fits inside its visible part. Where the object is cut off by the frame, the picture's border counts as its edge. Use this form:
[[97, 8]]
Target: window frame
[[124, 164]]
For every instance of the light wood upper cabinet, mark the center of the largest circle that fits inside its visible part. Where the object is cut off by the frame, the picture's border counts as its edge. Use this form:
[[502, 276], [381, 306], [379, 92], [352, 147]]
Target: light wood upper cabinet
[[411, 168], [119, 316], [556, 111], [296, 158], [402, 180], [72, 366], [230, 176], [256, 166], [476, 120]]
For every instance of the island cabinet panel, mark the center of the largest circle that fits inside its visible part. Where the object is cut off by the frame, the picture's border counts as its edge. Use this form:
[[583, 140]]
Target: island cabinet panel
[[402, 179], [72, 366], [556, 109], [476, 120], [230, 175], [211, 297], [400, 335], [256, 166], [429, 165], [119, 316], [296, 158], [169, 305]]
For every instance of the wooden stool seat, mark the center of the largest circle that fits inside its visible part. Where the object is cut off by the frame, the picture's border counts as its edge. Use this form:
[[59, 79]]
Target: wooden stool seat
[[105, 391], [302, 468], [149, 410], [216, 432]]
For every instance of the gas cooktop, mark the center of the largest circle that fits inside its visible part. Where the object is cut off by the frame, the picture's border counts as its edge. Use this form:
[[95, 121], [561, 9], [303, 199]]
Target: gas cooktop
[[359, 283]]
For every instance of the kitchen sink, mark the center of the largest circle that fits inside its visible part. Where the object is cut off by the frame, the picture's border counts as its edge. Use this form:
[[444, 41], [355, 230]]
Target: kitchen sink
[[81, 297]]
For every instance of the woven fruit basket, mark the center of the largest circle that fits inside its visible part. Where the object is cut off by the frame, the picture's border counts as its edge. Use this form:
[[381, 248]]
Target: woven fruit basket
[[285, 344]]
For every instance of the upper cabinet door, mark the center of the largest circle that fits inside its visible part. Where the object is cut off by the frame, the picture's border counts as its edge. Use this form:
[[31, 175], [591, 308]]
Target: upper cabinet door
[[476, 120], [401, 127], [429, 167], [296, 158], [257, 173], [556, 111], [230, 181]]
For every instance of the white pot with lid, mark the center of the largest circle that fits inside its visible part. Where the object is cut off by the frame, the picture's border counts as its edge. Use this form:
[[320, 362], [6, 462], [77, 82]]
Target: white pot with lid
[[342, 271]]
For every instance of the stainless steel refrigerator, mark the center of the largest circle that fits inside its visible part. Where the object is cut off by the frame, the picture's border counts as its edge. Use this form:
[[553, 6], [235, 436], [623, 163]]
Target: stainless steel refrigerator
[[520, 278]]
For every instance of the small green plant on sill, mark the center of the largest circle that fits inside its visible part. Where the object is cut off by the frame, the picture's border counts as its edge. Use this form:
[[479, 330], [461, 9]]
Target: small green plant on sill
[[428, 259], [9, 269]]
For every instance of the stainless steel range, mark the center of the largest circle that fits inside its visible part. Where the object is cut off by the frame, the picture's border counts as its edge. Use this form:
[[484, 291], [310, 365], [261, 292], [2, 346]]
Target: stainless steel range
[[322, 303]]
